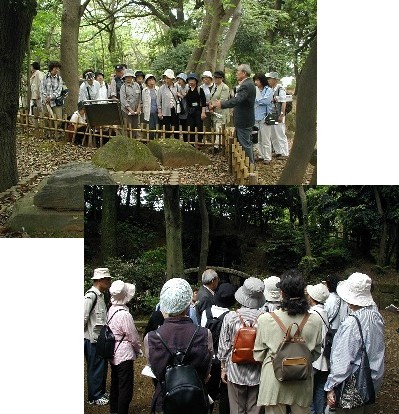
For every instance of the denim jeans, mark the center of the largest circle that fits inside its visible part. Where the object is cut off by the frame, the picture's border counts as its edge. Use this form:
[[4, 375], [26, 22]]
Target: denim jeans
[[96, 372], [319, 395]]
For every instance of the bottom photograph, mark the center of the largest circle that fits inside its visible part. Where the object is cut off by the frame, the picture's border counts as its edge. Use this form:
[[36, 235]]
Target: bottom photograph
[[241, 299]]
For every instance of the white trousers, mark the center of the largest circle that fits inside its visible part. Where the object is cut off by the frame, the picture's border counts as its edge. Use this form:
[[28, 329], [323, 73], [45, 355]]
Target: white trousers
[[265, 140], [279, 139]]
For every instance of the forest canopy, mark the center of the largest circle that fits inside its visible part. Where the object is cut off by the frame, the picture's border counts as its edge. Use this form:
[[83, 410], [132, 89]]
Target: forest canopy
[[258, 230]]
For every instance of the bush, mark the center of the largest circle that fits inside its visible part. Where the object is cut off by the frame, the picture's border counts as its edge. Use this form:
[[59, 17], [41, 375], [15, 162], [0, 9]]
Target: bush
[[309, 266]]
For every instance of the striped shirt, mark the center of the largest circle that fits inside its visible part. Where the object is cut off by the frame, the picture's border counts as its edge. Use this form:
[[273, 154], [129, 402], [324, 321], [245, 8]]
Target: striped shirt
[[345, 353], [241, 374], [51, 86], [333, 305], [122, 323]]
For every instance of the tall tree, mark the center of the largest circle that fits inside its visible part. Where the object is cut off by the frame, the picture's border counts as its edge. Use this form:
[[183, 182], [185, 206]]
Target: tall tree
[[108, 221], [70, 22], [15, 25], [306, 114], [173, 224], [218, 14], [204, 230]]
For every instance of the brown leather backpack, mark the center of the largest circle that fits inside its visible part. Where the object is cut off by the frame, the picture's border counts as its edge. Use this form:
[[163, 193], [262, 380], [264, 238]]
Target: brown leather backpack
[[293, 361], [244, 340]]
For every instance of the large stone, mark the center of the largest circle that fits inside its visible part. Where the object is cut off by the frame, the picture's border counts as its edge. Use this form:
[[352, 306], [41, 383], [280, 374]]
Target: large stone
[[125, 154], [176, 154], [35, 221], [63, 190]]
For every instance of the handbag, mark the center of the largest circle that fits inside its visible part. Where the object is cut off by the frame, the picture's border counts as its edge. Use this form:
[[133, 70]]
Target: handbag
[[271, 119], [254, 134], [358, 389]]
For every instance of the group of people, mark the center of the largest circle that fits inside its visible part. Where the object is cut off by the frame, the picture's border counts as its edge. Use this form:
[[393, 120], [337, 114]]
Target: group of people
[[183, 100], [213, 315]]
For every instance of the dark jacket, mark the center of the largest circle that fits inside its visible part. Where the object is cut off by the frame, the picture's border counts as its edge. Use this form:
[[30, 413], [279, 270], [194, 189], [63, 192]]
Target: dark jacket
[[177, 332], [205, 299], [243, 104]]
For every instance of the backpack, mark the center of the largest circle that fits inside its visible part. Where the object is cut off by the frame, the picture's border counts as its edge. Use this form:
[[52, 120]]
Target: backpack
[[292, 361], [328, 340], [288, 104], [182, 389], [214, 325], [95, 299], [244, 340], [106, 341]]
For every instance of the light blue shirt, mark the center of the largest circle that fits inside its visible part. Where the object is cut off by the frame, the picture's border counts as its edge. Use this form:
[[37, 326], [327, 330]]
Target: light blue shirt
[[345, 352], [263, 103]]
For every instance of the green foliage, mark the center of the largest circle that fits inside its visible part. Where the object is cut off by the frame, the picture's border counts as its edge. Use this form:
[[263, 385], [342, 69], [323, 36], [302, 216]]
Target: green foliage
[[132, 239], [282, 250], [175, 58], [309, 265]]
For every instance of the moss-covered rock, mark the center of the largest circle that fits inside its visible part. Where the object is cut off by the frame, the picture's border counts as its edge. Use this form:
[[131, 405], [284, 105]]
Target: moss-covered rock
[[175, 154], [125, 154]]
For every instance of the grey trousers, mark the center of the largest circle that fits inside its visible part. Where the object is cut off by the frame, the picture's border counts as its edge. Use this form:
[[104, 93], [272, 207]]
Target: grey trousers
[[242, 398]]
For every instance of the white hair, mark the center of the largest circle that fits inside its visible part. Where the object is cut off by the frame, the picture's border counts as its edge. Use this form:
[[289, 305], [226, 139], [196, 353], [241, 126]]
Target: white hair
[[245, 68], [208, 276]]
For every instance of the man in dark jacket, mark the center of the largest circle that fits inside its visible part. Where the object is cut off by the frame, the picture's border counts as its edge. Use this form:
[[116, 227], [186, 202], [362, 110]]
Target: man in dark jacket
[[206, 293], [244, 108]]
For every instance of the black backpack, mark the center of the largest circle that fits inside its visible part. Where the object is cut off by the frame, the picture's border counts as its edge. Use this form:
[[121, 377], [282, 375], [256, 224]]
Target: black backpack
[[182, 389], [214, 325], [106, 341], [328, 340]]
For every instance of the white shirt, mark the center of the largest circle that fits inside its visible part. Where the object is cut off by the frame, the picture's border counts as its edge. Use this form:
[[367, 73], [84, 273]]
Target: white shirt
[[103, 91], [216, 311], [331, 306], [321, 363]]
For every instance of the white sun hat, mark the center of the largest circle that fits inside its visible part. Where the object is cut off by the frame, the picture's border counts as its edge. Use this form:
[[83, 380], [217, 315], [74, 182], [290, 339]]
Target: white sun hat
[[207, 74], [169, 74], [272, 292], [356, 290], [319, 292], [250, 294], [101, 273], [121, 292]]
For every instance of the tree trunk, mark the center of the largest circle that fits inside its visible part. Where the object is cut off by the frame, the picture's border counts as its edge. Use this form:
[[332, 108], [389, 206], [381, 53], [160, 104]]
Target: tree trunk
[[384, 230], [205, 55], [306, 113], [229, 37], [70, 21], [108, 221], [204, 231], [15, 26], [304, 204], [173, 223]]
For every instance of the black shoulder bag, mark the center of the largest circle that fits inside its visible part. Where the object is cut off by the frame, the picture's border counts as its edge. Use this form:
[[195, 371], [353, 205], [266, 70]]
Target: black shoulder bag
[[358, 389]]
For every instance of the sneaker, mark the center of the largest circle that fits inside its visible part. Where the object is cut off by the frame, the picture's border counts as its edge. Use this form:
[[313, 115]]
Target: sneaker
[[100, 401]]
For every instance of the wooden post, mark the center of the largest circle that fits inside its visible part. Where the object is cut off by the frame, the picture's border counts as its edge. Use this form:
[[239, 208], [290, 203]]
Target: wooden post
[[36, 121]]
